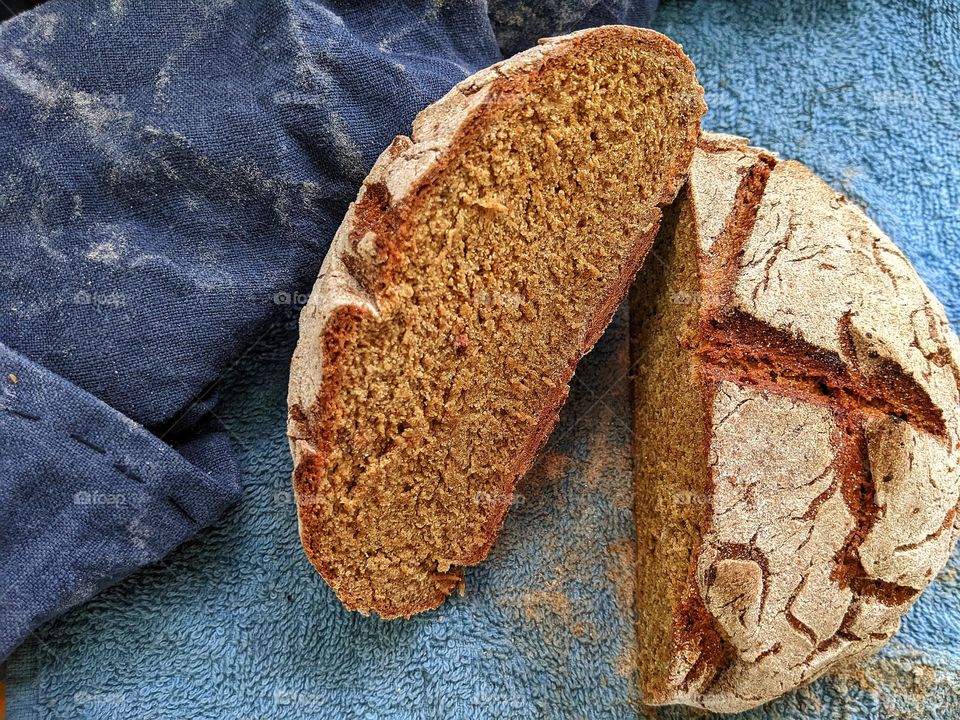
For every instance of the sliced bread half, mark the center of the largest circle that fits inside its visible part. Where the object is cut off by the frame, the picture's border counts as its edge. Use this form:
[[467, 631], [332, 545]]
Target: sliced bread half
[[482, 258]]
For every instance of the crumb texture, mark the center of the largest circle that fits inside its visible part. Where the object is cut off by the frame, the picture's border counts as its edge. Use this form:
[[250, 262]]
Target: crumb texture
[[829, 381], [482, 258]]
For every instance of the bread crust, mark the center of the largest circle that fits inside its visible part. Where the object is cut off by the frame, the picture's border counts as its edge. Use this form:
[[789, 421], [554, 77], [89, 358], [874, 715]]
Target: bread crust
[[388, 195], [832, 388]]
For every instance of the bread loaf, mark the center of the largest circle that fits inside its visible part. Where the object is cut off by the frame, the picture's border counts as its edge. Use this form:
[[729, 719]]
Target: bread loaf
[[797, 438], [481, 259]]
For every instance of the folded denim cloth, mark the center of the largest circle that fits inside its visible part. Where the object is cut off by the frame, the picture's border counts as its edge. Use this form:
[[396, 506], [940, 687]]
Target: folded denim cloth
[[171, 175]]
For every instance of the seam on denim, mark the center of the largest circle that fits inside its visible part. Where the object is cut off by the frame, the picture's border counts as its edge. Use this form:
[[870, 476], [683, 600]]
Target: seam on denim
[[118, 466]]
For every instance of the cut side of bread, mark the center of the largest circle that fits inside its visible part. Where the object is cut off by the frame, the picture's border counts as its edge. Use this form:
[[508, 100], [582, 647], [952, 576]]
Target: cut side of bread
[[482, 258], [797, 434]]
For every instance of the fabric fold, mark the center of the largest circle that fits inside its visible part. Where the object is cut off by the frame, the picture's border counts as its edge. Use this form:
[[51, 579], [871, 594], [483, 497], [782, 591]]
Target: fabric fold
[[88, 495]]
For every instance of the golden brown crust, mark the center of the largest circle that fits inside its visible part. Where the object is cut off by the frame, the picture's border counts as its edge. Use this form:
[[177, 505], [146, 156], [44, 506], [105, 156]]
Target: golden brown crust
[[367, 250]]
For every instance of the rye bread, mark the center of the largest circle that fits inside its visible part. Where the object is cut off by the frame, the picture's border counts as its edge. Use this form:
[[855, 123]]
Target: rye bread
[[482, 258], [814, 418]]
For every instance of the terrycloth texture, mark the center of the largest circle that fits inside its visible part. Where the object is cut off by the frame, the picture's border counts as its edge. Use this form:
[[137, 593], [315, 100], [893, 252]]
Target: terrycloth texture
[[236, 624], [170, 177]]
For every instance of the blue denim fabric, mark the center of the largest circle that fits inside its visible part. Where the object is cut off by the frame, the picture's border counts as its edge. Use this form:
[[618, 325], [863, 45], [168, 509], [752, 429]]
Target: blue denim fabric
[[518, 23], [171, 175]]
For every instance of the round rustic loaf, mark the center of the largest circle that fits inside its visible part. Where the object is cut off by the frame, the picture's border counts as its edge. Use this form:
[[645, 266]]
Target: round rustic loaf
[[481, 259], [797, 429]]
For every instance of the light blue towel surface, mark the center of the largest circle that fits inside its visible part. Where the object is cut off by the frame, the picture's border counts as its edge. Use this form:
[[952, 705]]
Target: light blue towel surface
[[237, 625]]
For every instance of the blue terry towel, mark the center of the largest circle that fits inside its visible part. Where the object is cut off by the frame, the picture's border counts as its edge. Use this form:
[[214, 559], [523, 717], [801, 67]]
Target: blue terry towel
[[237, 625], [170, 177]]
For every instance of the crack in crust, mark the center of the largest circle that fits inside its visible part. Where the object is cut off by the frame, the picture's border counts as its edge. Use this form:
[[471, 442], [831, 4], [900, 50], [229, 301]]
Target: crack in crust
[[831, 379]]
